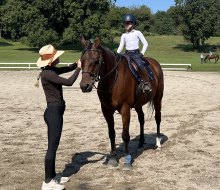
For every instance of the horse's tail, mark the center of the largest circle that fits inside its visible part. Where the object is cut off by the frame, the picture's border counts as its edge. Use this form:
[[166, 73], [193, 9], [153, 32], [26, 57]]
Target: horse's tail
[[156, 101]]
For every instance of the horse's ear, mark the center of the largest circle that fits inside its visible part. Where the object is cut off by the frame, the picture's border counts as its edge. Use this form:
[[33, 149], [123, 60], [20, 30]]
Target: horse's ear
[[97, 41], [83, 41]]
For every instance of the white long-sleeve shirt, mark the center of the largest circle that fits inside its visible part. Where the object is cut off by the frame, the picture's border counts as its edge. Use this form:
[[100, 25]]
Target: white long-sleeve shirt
[[131, 41]]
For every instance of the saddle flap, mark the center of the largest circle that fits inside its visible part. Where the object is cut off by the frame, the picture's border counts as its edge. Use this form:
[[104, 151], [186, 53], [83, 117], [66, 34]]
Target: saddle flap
[[133, 68]]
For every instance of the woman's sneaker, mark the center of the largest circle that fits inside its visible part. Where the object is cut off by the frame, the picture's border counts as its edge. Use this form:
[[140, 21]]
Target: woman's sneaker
[[52, 185], [60, 179], [64, 179]]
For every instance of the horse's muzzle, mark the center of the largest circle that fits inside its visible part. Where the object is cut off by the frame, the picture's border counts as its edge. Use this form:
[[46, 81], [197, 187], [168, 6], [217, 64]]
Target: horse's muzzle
[[86, 87]]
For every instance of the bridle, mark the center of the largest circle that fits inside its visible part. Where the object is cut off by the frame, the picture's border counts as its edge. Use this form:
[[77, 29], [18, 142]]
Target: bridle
[[96, 74]]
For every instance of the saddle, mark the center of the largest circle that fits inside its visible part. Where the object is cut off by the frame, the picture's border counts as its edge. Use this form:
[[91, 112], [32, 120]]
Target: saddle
[[138, 74], [136, 71]]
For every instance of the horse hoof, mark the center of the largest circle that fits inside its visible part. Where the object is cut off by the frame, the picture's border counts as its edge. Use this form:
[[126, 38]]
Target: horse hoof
[[112, 162], [158, 148], [127, 167]]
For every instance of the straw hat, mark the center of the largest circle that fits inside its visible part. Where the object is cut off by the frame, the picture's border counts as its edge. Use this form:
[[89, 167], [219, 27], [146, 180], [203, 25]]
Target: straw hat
[[48, 54]]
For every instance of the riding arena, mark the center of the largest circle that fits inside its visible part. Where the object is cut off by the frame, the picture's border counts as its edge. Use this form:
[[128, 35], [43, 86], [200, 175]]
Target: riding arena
[[189, 158]]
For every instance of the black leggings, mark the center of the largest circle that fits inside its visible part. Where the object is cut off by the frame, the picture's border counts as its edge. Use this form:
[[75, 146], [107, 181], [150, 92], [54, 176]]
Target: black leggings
[[53, 117]]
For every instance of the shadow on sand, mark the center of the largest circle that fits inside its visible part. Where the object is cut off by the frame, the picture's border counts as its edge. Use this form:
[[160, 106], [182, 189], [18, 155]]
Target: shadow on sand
[[79, 160], [150, 143], [83, 158]]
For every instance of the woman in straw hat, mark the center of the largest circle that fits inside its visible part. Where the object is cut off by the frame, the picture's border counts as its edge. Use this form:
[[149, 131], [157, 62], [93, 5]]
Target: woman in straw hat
[[53, 115]]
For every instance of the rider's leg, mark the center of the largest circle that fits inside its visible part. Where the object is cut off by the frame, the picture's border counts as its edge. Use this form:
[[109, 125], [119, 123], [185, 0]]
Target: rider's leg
[[146, 72], [144, 83]]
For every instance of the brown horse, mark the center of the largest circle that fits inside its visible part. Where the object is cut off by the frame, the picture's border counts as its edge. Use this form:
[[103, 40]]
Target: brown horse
[[117, 91], [213, 56]]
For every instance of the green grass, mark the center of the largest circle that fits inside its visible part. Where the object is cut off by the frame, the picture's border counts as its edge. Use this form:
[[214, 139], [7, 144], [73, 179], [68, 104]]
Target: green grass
[[173, 49], [166, 49], [16, 52]]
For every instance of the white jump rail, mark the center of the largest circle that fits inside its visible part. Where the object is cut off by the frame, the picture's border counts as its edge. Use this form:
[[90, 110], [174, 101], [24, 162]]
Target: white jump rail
[[23, 65], [168, 66], [176, 67]]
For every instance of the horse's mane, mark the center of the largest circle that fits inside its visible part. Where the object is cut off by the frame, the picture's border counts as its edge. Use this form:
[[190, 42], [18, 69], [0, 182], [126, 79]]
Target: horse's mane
[[108, 49]]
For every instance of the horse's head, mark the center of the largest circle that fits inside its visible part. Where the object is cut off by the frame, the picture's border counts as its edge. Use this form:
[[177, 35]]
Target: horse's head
[[91, 63]]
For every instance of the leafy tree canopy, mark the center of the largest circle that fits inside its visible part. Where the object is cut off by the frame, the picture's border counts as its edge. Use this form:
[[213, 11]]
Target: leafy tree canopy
[[57, 21], [198, 19], [40, 22]]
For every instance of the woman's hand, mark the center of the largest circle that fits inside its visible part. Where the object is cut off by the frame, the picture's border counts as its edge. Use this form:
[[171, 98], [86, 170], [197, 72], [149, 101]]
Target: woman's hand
[[79, 64]]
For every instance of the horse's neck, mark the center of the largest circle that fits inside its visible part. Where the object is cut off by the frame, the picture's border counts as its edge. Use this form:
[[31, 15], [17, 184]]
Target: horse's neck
[[109, 61], [109, 67]]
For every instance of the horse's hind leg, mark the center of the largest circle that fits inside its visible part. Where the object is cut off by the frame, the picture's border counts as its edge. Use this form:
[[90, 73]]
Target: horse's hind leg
[[157, 102], [157, 107], [140, 113]]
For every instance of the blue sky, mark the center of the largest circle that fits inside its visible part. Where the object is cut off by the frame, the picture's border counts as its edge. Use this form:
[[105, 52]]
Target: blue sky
[[154, 5]]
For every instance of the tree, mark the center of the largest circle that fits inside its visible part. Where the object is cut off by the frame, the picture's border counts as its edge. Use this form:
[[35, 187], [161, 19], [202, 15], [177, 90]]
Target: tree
[[114, 17], [197, 19], [1, 14], [57, 21], [85, 17], [144, 17], [164, 23], [39, 21], [142, 13], [217, 28]]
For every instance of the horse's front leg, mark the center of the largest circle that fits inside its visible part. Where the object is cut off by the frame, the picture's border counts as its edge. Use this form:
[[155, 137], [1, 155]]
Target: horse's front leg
[[125, 113], [108, 114]]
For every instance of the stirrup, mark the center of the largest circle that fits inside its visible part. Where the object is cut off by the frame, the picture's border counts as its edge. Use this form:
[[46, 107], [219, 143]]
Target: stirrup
[[146, 87]]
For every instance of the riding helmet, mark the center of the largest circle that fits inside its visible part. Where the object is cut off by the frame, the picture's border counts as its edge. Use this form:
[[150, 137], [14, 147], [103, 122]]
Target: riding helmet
[[129, 18]]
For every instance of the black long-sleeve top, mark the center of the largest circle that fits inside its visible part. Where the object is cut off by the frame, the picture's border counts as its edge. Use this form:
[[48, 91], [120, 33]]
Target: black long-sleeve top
[[52, 82]]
